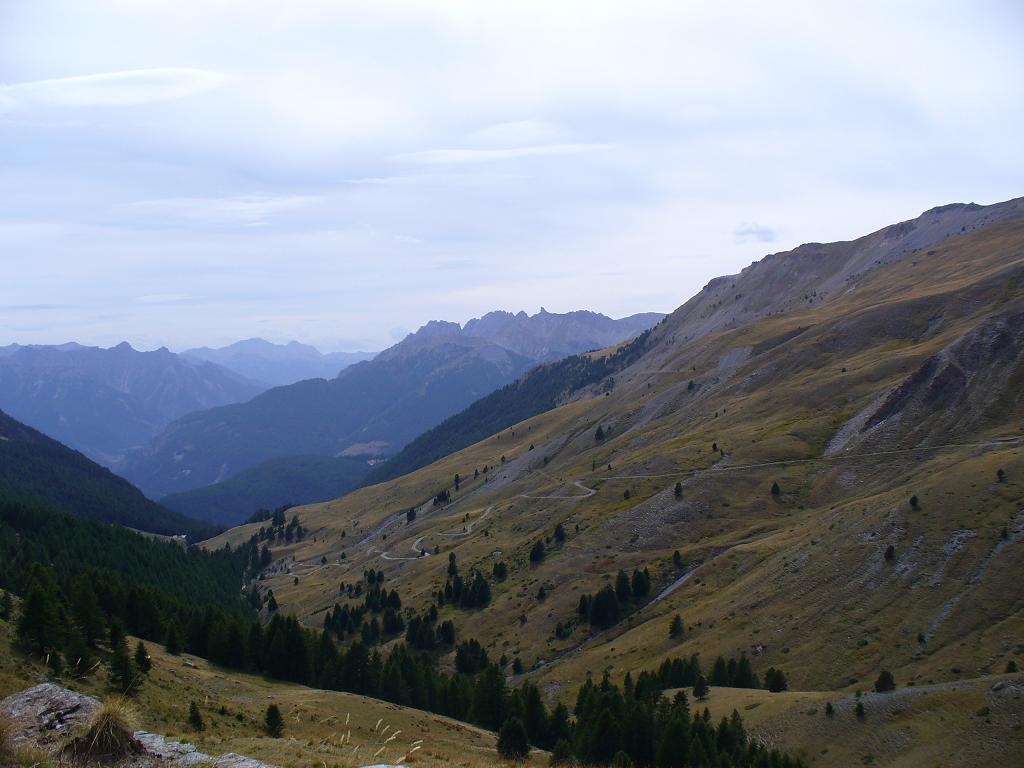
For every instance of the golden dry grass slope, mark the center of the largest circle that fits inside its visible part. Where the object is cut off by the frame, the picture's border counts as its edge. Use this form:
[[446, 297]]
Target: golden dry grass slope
[[339, 730], [856, 376]]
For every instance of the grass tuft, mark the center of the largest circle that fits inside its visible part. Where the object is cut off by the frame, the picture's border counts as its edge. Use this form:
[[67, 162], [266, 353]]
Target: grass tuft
[[109, 735]]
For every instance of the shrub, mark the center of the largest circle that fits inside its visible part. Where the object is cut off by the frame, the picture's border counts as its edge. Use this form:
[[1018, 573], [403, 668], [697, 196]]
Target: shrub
[[1011, 667], [513, 743]]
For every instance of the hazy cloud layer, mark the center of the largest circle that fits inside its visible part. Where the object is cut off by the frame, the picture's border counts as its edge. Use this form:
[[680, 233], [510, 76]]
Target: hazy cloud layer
[[189, 173]]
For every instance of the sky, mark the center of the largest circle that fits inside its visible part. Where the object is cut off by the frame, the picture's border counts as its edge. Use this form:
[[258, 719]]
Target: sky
[[183, 173]]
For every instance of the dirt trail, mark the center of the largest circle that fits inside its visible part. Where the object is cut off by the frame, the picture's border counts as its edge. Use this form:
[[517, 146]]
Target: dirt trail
[[1002, 441], [415, 546]]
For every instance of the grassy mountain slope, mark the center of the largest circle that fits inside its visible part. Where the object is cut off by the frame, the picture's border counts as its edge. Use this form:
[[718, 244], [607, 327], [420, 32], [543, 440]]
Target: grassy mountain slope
[[291, 480], [35, 466], [902, 381], [316, 722]]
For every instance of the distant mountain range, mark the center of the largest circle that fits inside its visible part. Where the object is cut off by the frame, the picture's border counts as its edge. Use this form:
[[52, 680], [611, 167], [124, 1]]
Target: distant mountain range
[[372, 407], [106, 401], [34, 466], [277, 364]]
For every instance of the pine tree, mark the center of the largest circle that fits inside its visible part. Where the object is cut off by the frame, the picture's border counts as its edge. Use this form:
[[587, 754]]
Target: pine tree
[[599, 435], [859, 710], [273, 723], [142, 660], [675, 629], [85, 608], [6, 606], [537, 552], [830, 711], [775, 680], [513, 742], [173, 642], [604, 609], [78, 653], [885, 682], [41, 624], [701, 688], [195, 719], [623, 590], [915, 503], [678, 490], [672, 750], [776, 490], [122, 671], [560, 533]]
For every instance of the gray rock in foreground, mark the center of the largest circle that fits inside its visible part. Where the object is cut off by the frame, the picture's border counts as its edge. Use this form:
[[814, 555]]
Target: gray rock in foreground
[[44, 715]]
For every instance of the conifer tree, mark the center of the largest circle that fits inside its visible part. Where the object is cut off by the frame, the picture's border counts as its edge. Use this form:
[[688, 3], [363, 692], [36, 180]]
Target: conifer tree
[[830, 711], [674, 742], [273, 723], [172, 644], [623, 590], [675, 629], [560, 533], [604, 609], [6, 606], [85, 609], [78, 653], [537, 552], [513, 742], [885, 682], [859, 710], [678, 490], [775, 680], [142, 660], [776, 490], [40, 624], [599, 435], [701, 689], [195, 719], [122, 671]]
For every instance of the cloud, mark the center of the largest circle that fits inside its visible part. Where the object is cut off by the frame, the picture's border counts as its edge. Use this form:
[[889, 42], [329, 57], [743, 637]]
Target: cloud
[[240, 209], [519, 132], [109, 89], [754, 232], [465, 156]]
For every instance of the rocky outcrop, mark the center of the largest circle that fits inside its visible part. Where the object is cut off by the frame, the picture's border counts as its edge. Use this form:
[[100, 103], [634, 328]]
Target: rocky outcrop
[[45, 715]]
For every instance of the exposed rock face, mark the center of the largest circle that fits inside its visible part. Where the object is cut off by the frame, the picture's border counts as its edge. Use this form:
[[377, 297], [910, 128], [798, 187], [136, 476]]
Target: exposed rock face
[[971, 385], [44, 715]]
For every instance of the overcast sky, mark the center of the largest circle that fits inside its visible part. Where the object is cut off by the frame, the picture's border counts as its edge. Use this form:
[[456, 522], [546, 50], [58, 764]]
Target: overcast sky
[[195, 172]]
